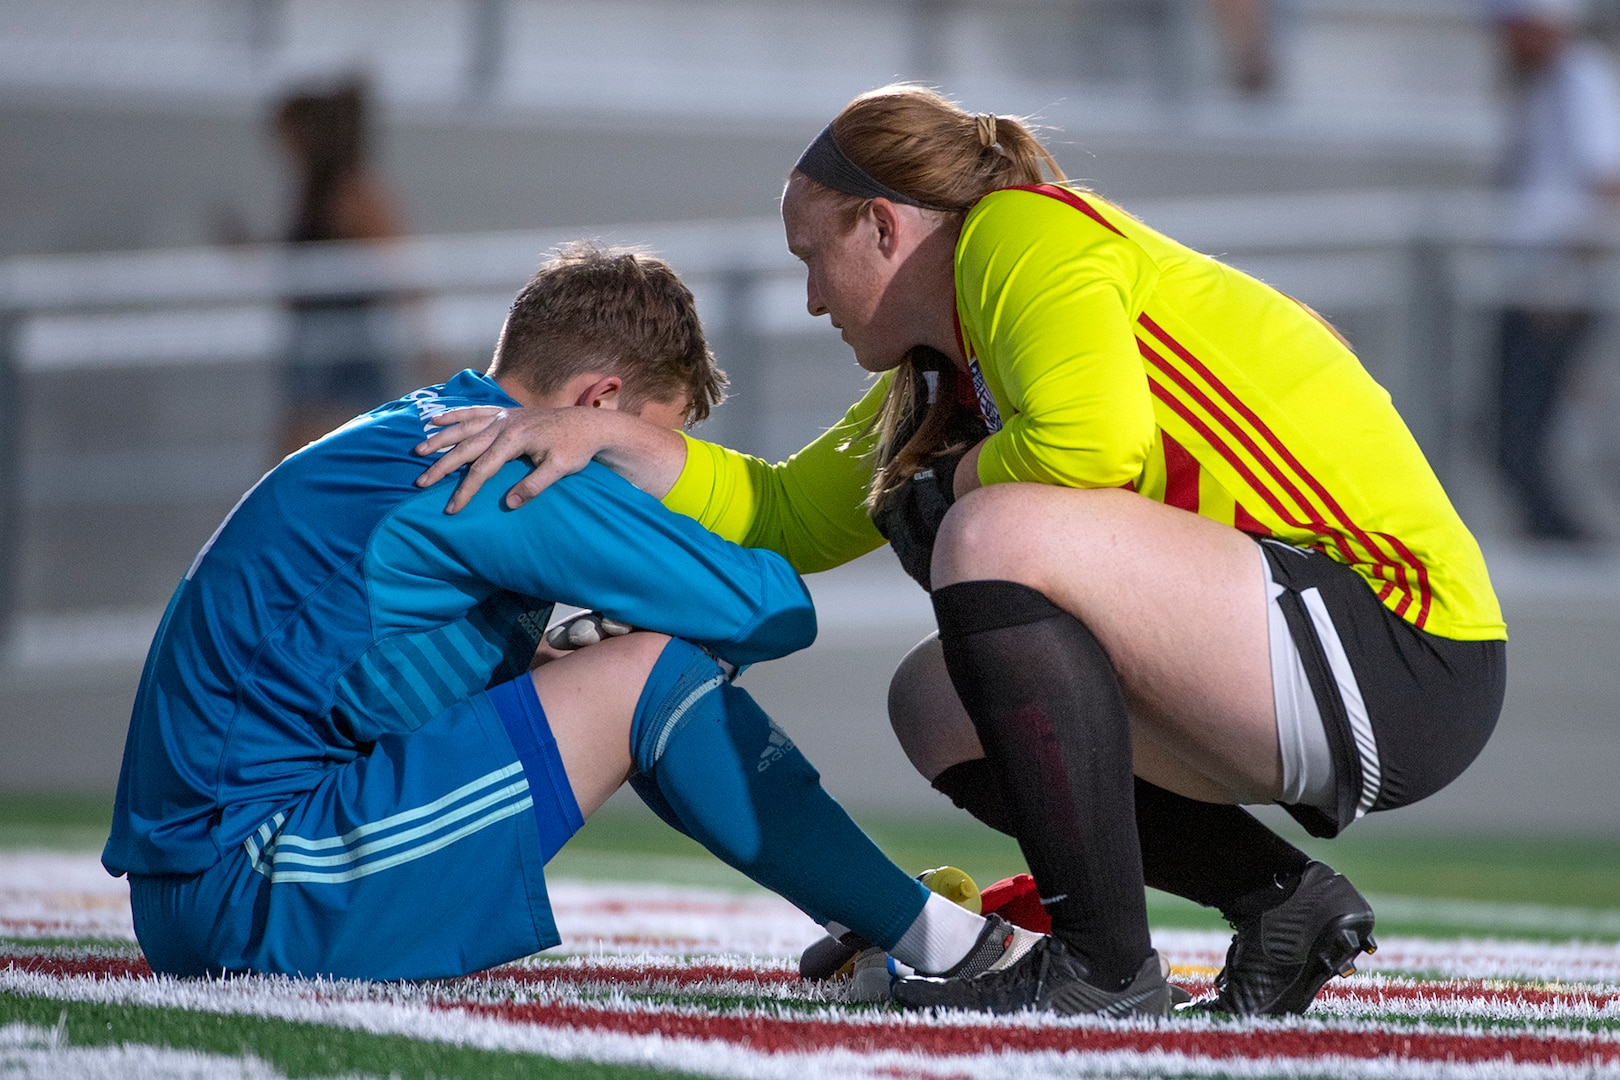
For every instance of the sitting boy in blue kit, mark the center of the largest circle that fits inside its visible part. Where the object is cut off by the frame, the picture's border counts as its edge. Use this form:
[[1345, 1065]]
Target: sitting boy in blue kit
[[342, 760]]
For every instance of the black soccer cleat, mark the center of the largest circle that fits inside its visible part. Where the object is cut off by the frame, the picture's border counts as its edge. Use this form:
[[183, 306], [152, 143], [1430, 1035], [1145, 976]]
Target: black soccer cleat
[[1283, 956], [1046, 977]]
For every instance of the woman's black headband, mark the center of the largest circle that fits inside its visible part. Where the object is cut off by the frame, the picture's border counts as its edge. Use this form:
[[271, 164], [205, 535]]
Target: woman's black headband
[[825, 163]]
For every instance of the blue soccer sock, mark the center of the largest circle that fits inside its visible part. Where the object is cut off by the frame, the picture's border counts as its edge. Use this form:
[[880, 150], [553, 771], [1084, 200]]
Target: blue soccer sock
[[735, 783]]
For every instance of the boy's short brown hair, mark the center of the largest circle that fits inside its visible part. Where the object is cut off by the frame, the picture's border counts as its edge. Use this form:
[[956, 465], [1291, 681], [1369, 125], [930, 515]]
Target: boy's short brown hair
[[617, 311]]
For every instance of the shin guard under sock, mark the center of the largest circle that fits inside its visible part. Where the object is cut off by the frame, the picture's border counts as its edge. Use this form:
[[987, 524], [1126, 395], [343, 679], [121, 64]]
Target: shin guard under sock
[[1050, 714], [737, 785], [1214, 854]]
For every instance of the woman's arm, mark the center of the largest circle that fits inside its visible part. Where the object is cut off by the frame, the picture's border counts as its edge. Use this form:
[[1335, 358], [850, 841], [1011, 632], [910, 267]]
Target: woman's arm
[[810, 508], [1047, 296]]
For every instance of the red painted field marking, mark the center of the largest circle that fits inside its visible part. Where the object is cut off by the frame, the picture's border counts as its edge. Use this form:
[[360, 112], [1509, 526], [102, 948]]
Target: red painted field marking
[[809, 1035]]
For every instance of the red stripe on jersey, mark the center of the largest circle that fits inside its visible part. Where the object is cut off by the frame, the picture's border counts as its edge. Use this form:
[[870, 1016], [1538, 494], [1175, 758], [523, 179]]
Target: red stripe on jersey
[[1408, 559], [1425, 593], [1311, 521], [1247, 522], [1180, 475], [1064, 195], [1181, 409], [1314, 520]]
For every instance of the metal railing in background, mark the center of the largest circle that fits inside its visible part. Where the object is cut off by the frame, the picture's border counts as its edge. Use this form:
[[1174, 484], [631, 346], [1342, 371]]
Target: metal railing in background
[[1410, 278], [475, 53]]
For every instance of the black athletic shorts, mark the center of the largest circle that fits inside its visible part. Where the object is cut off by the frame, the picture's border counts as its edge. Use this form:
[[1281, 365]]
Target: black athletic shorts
[[1427, 703]]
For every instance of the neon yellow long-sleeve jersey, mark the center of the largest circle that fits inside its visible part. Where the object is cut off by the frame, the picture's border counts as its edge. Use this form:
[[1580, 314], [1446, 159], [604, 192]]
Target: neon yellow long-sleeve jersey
[[1118, 357]]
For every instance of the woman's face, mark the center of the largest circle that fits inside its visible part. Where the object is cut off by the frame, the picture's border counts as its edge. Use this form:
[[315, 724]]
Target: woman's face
[[850, 274]]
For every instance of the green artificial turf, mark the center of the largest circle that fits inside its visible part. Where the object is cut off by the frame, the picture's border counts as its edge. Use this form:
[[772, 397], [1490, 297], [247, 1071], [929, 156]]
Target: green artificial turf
[[1566, 872], [1440, 885], [296, 1049], [57, 822]]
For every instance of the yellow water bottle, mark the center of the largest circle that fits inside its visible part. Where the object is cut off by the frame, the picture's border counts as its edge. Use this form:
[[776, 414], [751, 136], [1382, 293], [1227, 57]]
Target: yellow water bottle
[[954, 885]]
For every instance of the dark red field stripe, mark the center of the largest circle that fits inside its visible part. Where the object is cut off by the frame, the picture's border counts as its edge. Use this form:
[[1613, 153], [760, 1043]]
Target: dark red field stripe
[[788, 1035], [100, 967], [620, 975], [1493, 993], [774, 1035], [1471, 991], [1287, 455]]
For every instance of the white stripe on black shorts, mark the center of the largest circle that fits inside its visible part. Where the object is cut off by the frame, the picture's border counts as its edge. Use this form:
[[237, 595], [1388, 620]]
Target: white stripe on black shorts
[[1403, 711]]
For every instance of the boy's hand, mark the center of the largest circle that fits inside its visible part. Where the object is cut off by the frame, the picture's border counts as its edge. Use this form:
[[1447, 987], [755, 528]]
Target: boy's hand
[[463, 434]]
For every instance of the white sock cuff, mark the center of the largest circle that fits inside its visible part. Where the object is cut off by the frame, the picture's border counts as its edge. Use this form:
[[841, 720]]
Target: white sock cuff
[[941, 936]]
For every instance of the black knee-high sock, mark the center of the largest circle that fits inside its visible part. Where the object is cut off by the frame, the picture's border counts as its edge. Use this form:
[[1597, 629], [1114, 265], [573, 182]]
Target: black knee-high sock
[[1216, 855], [1048, 709]]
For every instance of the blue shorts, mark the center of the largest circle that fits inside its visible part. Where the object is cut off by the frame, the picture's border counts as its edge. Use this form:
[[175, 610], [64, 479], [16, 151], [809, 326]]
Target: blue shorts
[[420, 860]]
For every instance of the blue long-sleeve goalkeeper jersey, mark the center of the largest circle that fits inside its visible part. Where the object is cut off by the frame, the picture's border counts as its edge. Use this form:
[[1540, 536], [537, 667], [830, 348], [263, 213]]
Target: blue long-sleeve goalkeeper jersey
[[338, 602]]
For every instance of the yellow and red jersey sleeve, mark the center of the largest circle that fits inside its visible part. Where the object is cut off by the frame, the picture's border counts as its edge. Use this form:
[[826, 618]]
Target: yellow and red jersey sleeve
[[809, 508], [1047, 300], [1118, 357]]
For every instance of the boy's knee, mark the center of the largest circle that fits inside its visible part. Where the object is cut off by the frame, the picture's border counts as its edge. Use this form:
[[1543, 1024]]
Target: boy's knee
[[682, 676]]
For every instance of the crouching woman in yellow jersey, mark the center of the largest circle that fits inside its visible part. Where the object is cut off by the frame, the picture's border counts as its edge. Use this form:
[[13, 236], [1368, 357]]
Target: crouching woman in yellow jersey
[[1189, 556]]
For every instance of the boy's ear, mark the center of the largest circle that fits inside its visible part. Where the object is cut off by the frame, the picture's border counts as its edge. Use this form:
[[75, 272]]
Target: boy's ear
[[601, 392]]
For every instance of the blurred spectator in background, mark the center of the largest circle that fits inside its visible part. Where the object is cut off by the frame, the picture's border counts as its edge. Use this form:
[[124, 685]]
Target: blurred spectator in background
[[1247, 29], [1561, 176], [346, 349]]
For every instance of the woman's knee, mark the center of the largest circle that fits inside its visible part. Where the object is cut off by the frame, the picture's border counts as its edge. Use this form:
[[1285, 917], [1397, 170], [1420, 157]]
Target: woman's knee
[[1023, 532], [975, 534]]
